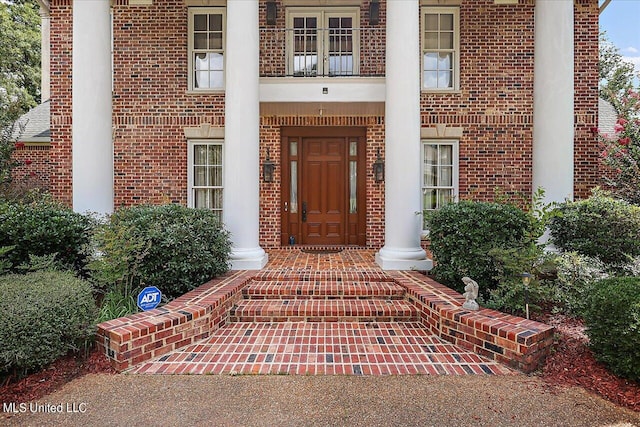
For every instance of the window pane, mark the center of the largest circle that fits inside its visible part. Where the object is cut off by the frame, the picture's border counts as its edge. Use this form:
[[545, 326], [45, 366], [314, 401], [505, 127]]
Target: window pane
[[293, 148], [200, 198], [215, 22], [215, 154], [431, 22], [446, 155], [353, 186], [215, 40], [429, 199], [446, 176], [200, 176], [200, 22], [444, 197], [446, 22], [446, 40], [431, 40], [431, 154], [215, 176], [199, 155], [430, 61], [216, 61], [200, 41], [353, 148], [293, 197]]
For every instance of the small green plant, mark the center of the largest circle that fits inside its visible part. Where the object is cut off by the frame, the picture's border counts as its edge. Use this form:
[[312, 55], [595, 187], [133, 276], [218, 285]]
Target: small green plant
[[117, 303], [612, 318], [600, 227], [575, 278], [43, 315]]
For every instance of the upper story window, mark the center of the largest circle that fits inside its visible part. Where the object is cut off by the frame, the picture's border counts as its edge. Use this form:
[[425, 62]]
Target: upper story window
[[206, 48], [205, 175], [323, 41], [440, 48], [439, 173]]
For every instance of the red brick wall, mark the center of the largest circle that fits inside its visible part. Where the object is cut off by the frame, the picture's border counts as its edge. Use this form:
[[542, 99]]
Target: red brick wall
[[152, 106], [495, 101], [61, 58], [587, 173], [33, 170]]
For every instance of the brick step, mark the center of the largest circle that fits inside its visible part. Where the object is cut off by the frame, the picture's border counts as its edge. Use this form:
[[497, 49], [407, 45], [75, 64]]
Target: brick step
[[311, 310], [260, 290]]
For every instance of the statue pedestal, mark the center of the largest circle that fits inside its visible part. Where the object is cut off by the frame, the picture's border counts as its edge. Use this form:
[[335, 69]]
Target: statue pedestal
[[471, 305]]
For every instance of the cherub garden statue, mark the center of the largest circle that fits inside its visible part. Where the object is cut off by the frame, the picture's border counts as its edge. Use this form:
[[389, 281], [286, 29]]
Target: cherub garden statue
[[470, 294]]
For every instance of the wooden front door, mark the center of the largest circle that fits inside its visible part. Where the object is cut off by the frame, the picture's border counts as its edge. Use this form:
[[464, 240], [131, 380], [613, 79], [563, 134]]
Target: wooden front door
[[323, 191], [323, 186]]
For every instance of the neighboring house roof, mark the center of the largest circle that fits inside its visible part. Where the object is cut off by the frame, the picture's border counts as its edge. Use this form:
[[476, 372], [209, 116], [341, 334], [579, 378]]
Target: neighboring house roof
[[607, 117], [36, 123]]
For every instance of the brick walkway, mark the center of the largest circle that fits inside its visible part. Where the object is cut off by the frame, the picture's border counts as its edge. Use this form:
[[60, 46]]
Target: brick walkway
[[311, 314]]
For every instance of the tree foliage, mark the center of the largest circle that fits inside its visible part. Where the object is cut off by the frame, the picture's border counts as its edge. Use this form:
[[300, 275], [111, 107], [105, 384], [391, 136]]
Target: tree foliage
[[19, 58], [616, 74]]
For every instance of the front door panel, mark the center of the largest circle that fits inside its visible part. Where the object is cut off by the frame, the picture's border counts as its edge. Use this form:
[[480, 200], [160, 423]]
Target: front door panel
[[322, 191]]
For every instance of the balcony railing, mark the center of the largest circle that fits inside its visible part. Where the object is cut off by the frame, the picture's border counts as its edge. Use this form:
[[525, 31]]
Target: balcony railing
[[319, 52]]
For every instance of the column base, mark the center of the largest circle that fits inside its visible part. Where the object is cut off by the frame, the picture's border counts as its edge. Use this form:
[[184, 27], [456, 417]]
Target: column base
[[403, 259], [248, 258]]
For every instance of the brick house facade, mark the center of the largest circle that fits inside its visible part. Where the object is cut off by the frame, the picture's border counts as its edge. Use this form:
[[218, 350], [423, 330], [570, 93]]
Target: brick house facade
[[194, 95]]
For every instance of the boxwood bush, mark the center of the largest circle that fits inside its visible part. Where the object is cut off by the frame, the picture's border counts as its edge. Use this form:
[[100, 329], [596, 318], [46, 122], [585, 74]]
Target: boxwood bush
[[466, 236], [44, 228], [612, 318], [43, 315], [600, 227], [171, 247]]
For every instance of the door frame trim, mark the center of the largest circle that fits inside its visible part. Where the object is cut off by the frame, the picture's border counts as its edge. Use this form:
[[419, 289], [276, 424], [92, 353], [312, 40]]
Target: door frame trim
[[287, 133]]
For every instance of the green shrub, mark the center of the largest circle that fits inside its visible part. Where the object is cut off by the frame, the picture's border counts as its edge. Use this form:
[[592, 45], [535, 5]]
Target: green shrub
[[43, 315], [612, 318], [575, 278], [171, 247], [44, 228], [466, 237], [599, 227]]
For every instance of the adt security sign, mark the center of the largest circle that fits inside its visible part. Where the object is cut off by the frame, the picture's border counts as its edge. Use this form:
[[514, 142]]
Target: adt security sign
[[149, 298]]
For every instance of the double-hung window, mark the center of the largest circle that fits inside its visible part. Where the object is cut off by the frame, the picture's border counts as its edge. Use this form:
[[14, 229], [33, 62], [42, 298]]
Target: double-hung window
[[439, 173], [440, 48], [323, 41], [206, 48], [205, 175]]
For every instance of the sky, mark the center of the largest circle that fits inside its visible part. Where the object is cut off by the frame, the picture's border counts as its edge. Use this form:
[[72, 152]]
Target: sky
[[621, 21]]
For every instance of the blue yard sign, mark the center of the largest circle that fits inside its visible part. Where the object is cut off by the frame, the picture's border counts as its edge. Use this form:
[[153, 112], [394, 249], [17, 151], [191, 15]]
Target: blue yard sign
[[149, 298]]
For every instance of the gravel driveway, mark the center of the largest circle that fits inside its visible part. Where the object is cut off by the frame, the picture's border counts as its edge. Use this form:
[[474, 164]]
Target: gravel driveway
[[470, 400]]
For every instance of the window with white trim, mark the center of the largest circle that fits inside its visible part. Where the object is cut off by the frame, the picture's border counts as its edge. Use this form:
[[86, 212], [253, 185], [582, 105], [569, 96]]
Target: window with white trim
[[206, 48], [439, 173], [205, 175], [440, 48], [323, 41]]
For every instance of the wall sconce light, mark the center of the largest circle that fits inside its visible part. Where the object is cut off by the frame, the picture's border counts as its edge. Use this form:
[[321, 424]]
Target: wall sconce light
[[378, 168], [268, 168], [526, 279], [374, 12], [272, 12]]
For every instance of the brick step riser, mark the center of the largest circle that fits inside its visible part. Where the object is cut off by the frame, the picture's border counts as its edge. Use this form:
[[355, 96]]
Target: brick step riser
[[319, 311], [322, 291], [318, 319]]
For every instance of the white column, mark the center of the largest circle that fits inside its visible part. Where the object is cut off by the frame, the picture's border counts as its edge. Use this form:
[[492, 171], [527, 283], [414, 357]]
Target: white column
[[242, 133], [45, 54], [402, 249], [553, 91], [92, 125]]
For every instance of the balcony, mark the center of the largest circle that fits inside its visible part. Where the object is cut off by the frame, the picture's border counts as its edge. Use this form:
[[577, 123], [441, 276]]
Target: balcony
[[316, 65]]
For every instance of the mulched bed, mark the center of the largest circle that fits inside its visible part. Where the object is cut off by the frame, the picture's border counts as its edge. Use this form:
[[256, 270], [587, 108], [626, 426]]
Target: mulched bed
[[570, 364], [60, 372]]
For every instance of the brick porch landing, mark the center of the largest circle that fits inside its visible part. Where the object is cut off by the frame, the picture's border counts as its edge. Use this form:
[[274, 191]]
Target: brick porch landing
[[323, 314]]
